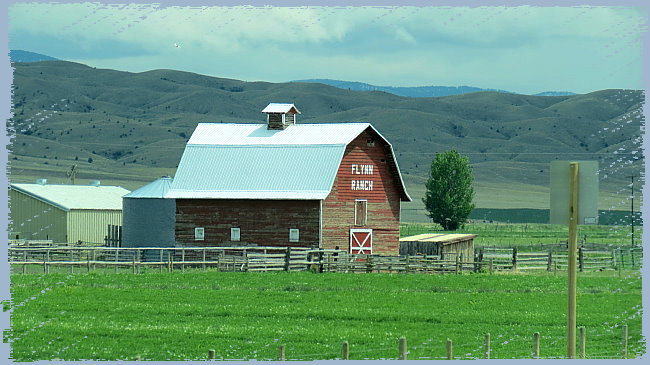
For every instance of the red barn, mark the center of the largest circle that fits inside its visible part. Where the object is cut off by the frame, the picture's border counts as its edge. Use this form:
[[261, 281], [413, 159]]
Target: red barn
[[287, 184]]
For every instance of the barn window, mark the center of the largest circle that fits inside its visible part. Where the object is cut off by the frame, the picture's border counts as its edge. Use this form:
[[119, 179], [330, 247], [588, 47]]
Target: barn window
[[371, 142], [360, 212], [234, 234], [294, 235], [199, 233]]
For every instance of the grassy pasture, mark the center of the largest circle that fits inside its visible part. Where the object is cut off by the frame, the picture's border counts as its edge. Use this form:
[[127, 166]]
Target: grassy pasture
[[179, 316], [508, 235]]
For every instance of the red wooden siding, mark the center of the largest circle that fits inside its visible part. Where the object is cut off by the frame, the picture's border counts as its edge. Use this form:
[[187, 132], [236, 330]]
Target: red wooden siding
[[383, 200], [262, 222]]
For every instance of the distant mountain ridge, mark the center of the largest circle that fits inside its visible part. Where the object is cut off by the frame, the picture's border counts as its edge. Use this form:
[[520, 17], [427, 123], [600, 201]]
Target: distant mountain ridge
[[17, 55], [417, 91]]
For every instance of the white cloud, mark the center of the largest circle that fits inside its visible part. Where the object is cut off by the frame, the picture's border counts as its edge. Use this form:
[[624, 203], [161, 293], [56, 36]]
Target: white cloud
[[526, 49]]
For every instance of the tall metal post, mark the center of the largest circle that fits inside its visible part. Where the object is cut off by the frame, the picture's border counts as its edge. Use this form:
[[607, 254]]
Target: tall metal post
[[572, 284], [632, 207]]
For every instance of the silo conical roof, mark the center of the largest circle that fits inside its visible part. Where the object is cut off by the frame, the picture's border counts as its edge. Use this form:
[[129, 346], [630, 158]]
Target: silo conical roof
[[155, 189]]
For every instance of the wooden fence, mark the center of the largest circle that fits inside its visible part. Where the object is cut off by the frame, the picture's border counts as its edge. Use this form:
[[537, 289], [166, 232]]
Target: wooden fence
[[555, 259], [485, 350], [170, 258], [319, 260]]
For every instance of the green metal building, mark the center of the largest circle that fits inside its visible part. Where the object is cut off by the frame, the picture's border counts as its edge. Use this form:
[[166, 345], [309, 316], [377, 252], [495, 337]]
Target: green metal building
[[64, 213]]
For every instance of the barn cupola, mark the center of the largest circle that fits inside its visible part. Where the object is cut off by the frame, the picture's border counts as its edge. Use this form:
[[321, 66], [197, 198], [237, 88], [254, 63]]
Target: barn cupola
[[280, 116]]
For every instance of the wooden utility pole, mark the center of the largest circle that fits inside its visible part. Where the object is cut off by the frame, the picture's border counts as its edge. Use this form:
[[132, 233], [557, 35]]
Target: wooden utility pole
[[72, 174], [572, 284]]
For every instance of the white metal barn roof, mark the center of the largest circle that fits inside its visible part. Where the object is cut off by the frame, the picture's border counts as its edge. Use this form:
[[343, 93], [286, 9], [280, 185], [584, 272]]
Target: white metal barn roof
[[258, 134], [249, 161], [68, 197]]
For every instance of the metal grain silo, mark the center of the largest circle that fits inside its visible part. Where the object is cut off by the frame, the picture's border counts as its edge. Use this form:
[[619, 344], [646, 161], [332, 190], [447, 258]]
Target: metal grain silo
[[148, 218]]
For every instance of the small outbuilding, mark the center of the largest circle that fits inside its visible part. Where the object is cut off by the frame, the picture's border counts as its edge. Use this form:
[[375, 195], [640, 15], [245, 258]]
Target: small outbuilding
[[149, 218], [439, 244], [64, 213]]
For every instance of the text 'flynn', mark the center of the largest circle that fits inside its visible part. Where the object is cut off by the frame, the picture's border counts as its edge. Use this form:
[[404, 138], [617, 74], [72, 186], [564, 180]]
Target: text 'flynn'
[[362, 169]]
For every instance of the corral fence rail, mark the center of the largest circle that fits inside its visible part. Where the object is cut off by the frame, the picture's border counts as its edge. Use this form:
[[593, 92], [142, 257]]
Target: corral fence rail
[[318, 260]]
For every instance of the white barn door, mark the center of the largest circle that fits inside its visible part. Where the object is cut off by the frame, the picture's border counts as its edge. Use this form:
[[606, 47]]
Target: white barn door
[[360, 241]]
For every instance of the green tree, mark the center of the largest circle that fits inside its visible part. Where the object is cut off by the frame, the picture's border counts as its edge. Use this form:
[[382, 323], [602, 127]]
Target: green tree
[[449, 196]]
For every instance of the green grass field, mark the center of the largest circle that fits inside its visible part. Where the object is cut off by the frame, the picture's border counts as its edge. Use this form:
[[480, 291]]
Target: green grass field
[[180, 316], [509, 235]]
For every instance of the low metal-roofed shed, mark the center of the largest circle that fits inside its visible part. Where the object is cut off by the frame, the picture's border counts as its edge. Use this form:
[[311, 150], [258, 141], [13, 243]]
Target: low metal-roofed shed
[[64, 213], [149, 218], [441, 244]]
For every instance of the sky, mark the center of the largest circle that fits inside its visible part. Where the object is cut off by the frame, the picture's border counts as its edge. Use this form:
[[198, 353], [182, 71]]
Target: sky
[[524, 49]]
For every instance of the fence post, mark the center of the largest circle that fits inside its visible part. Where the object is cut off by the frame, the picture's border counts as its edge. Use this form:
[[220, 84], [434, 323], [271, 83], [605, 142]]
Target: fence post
[[117, 255], [138, 255], [281, 353], [24, 260], [614, 258], [203, 261], [450, 350], [621, 258], [47, 268], [210, 354], [402, 348], [583, 343], [624, 342], [329, 263], [549, 265], [487, 345], [536, 345], [514, 259], [581, 259], [345, 351], [134, 264], [462, 259], [369, 264], [94, 258], [456, 268], [183, 259], [287, 259]]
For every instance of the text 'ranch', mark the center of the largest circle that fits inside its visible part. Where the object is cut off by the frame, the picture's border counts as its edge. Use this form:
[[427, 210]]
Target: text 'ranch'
[[362, 170]]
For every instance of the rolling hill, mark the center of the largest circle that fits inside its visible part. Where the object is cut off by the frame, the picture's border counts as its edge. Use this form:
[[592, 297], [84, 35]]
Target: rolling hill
[[17, 55], [417, 91], [130, 128]]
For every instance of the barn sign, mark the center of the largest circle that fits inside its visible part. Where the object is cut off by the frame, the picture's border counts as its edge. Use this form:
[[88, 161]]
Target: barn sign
[[358, 169]]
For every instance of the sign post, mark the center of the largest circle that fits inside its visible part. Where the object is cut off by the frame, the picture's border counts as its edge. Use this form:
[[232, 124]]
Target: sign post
[[581, 197], [573, 248]]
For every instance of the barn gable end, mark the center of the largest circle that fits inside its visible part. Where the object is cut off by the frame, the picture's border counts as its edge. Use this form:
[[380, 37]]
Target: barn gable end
[[366, 174]]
